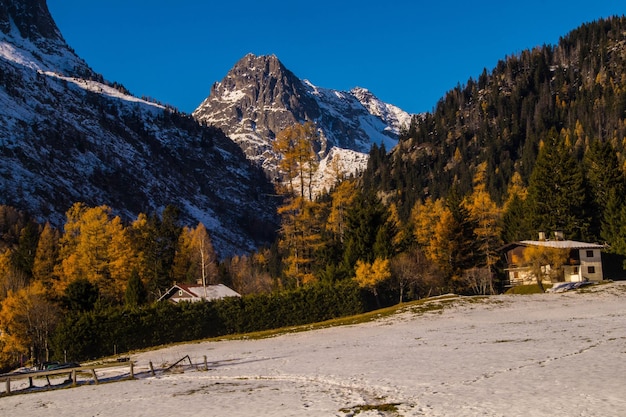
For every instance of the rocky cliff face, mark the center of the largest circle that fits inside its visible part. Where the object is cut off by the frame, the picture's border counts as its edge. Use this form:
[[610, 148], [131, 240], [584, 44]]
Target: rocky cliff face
[[259, 97], [31, 18], [68, 136]]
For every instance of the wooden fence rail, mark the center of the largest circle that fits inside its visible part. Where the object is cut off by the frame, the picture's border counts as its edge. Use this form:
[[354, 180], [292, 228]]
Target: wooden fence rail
[[71, 372]]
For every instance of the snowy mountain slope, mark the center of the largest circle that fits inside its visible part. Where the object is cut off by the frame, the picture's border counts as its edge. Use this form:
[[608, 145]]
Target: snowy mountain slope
[[259, 97], [67, 136]]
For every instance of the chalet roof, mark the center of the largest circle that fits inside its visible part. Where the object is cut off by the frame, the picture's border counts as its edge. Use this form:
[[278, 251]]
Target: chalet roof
[[558, 244], [213, 292], [562, 244]]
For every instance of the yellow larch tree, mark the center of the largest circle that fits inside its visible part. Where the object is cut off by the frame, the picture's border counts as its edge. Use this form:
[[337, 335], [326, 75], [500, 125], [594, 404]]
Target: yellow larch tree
[[516, 189], [121, 258], [371, 275], [298, 160], [95, 246], [487, 217], [425, 216], [545, 263], [342, 197], [195, 260], [300, 237], [443, 243], [27, 319], [46, 257]]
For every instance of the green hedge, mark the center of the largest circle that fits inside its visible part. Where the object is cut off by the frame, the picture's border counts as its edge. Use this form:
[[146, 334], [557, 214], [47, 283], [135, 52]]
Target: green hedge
[[103, 332]]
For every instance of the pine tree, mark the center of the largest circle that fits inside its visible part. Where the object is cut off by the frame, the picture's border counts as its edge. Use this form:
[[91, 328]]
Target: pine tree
[[515, 224], [80, 295], [155, 239], [607, 186], [135, 294], [365, 238], [557, 193], [24, 253]]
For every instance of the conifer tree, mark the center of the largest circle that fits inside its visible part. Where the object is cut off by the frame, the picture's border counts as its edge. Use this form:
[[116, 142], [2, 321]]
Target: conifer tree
[[80, 295], [365, 238], [296, 146], [24, 253], [300, 238], [557, 194], [95, 247], [156, 239], [607, 187], [485, 214], [135, 294], [515, 224], [46, 257]]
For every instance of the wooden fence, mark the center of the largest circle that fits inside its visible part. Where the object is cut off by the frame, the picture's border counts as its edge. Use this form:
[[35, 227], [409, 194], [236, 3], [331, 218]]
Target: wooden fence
[[89, 373], [72, 373]]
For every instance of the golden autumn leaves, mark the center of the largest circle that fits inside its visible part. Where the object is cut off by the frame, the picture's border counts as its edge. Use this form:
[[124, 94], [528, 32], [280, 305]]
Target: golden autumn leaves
[[98, 249]]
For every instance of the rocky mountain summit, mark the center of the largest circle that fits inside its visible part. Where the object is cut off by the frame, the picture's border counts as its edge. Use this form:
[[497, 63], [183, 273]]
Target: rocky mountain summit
[[68, 136], [259, 97], [31, 18]]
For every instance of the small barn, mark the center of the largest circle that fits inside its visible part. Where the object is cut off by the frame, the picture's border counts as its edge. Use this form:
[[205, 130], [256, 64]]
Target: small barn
[[197, 292]]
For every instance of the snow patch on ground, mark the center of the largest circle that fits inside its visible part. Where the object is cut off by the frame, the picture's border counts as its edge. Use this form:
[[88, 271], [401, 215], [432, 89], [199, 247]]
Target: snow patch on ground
[[540, 355]]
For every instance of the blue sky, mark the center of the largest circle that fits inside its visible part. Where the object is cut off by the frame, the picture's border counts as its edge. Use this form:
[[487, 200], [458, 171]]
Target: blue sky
[[408, 53]]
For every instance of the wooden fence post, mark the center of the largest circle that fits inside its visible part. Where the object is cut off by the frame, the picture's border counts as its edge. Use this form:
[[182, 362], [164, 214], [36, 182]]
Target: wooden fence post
[[206, 365], [8, 386], [95, 377], [132, 370], [151, 368]]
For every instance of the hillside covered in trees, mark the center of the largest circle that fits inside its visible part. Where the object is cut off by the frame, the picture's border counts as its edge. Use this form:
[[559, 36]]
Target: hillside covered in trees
[[572, 95]]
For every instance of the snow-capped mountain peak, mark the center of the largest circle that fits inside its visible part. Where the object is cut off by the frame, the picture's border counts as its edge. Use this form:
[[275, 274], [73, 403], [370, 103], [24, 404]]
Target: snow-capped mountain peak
[[259, 97]]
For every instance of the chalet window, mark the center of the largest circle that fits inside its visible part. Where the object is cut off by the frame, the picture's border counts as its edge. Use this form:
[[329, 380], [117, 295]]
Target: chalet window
[[591, 269], [575, 270], [180, 293], [589, 254], [515, 274]]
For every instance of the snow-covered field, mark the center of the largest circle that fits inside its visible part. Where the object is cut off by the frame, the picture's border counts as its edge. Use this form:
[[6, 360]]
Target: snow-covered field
[[542, 355]]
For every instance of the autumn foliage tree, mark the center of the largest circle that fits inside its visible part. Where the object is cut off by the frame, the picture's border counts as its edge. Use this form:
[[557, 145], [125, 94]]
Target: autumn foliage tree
[[300, 231], [298, 160], [371, 275], [95, 246], [545, 263], [195, 259], [300, 237], [486, 216], [27, 319]]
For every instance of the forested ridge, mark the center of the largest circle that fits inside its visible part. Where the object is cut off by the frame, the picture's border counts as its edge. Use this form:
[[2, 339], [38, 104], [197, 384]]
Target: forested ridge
[[536, 144], [577, 88]]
